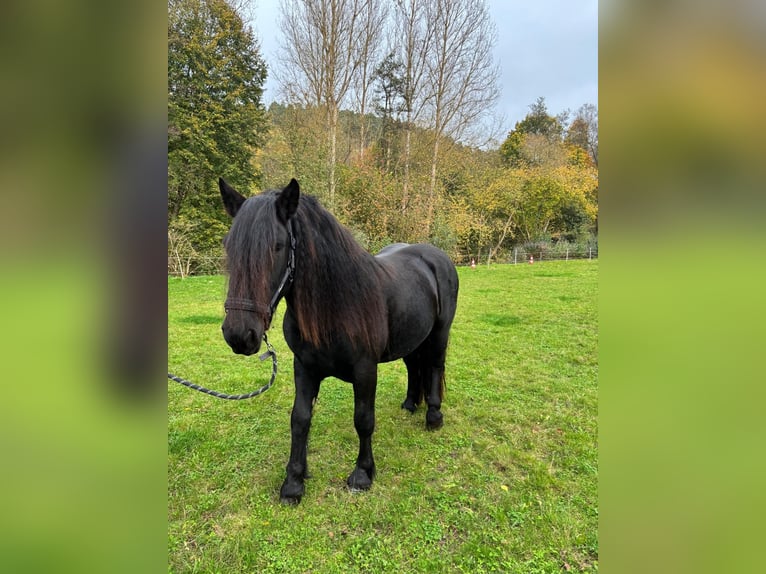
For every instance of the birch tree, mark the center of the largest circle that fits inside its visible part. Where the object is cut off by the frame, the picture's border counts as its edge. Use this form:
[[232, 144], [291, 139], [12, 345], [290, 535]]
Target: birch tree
[[461, 79], [373, 25], [322, 49], [413, 35]]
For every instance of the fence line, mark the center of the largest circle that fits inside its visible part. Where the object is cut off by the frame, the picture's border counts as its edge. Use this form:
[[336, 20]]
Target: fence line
[[184, 265], [520, 255], [556, 255], [208, 264]]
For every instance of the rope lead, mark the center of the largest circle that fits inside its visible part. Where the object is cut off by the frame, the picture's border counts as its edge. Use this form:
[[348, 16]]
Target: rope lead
[[270, 352]]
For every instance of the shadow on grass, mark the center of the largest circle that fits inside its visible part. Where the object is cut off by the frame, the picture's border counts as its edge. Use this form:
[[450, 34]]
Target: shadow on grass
[[499, 320]]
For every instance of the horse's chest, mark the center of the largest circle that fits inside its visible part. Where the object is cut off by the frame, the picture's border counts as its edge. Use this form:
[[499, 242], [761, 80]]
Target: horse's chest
[[336, 360]]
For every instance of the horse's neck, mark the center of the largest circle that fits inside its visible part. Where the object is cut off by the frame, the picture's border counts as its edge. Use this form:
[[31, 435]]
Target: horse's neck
[[335, 294], [363, 262]]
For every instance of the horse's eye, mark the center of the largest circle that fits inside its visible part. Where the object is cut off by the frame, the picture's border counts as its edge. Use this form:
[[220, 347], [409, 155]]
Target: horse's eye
[[279, 246]]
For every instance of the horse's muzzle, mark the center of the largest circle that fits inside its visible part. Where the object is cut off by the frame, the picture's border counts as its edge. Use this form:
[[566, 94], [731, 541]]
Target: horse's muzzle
[[242, 342]]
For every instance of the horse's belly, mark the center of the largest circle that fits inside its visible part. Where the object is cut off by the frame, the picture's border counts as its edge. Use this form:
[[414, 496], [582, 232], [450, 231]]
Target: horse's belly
[[406, 333]]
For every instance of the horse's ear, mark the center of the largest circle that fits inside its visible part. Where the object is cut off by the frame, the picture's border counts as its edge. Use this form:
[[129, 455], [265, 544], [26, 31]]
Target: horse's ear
[[287, 201], [232, 200]]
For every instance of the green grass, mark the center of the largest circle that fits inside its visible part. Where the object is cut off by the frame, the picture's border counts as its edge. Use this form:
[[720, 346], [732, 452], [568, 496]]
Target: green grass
[[509, 484]]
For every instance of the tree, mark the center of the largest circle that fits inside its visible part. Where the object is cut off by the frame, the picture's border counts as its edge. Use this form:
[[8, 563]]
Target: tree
[[546, 201], [583, 131], [501, 201], [324, 44], [412, 32], [389, 96], [538, 122], [374, 14], [461, 78], [541, 199], [296, 147], [537, 150], [577, 133], [215, 116]]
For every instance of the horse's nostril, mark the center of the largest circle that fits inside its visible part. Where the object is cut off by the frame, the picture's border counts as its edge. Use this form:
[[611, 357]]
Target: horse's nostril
[[251, 336]]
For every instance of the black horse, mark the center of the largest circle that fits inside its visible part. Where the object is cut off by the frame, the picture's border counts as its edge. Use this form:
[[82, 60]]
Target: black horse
[[347, 311]]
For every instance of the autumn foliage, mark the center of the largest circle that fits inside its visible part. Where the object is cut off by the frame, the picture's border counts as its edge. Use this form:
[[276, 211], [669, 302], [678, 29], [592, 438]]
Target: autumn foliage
[[395, 176]]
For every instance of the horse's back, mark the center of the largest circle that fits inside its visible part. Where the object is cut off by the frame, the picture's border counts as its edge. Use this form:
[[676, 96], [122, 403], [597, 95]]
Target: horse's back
[[430, 254], [422, 256]]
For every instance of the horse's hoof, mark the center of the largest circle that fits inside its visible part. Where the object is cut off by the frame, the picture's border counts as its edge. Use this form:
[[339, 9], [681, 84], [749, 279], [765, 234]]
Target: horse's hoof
[[409, 405], [290, 501], [290, 494], [434, 420], [359, 481]]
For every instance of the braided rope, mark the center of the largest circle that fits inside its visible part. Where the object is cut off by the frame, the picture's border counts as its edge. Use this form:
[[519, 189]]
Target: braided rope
[[269, 352]]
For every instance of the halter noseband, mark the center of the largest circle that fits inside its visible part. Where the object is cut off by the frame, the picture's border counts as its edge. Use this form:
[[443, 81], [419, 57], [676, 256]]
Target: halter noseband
[[238, 304]]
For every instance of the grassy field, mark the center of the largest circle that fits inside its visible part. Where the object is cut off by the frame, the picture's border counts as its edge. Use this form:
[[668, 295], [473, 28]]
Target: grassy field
[[509, 484]]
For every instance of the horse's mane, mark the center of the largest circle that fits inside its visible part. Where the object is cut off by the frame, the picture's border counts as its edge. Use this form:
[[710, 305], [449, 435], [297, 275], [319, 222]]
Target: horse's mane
[[337, 286]]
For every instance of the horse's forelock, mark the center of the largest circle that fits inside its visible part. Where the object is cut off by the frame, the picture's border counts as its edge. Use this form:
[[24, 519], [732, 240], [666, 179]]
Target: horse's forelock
[[249, 247]]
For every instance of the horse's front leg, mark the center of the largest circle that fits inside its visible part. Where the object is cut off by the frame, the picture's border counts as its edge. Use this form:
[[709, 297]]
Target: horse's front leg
[[365, 383], [306, 390]]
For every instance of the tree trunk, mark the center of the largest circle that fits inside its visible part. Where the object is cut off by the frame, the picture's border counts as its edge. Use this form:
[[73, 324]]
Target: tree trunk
[[406, 182], [333, 112], [361, 137], [175, 210], [432, 189], [362, 119], [506, 227]]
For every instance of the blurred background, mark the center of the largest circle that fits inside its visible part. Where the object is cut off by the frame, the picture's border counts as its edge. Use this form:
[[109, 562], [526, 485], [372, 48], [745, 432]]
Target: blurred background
[[83, 184], [681, 323], [82, 286]]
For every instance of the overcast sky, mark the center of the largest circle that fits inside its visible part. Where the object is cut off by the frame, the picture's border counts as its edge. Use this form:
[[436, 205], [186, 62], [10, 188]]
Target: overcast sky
[[545, 48]]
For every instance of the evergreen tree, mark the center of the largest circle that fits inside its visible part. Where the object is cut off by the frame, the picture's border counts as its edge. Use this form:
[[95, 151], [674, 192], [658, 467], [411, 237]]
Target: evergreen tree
[[216, 119]]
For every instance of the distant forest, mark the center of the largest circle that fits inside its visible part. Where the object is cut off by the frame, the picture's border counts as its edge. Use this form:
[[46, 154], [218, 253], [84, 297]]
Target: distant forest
[[394, 161]]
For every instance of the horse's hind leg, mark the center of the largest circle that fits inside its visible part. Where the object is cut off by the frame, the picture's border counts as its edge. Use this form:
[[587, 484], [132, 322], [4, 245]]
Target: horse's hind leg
[[414, 381], [425, 378], [434, 416], [433, 376]]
